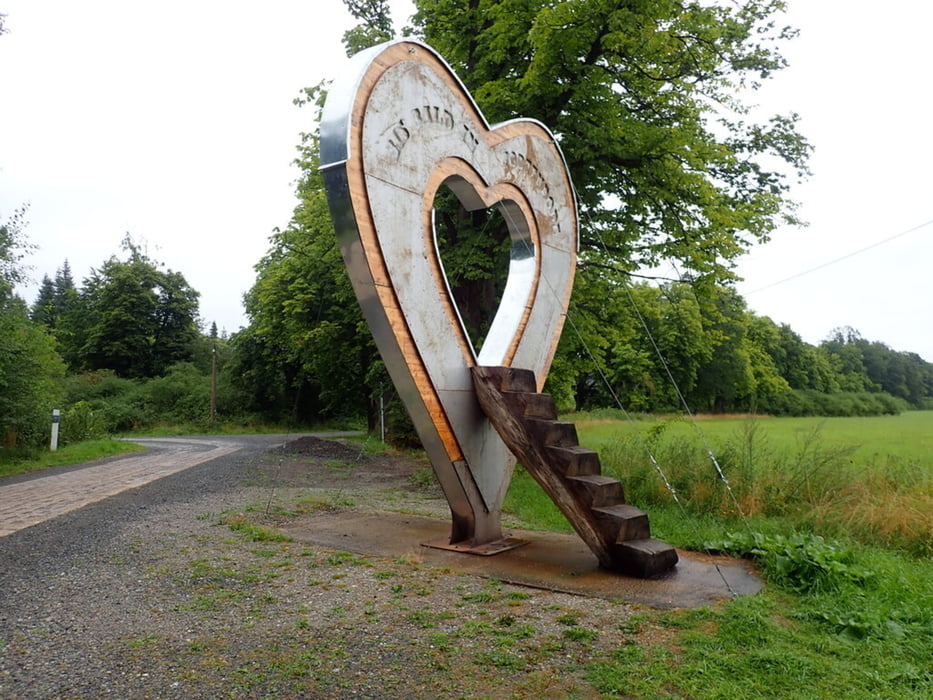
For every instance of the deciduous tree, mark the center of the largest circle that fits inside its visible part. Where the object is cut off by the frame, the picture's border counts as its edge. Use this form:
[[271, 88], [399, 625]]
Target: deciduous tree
[[139, 319], [649, 102], [30, 368], [306, 329]]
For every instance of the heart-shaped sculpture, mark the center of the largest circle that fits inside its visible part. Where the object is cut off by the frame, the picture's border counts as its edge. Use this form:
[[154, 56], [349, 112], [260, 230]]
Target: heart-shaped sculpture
[[395, 129]]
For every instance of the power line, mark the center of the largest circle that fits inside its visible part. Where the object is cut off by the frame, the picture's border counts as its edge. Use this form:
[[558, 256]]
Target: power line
[[840, 259]]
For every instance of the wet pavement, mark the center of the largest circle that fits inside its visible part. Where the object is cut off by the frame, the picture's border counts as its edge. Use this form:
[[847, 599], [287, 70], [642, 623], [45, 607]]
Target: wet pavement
[[35, 500], [548, 560]]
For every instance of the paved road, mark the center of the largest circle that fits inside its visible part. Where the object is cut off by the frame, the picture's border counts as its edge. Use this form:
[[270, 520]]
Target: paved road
[[83, 585], [35, 498]]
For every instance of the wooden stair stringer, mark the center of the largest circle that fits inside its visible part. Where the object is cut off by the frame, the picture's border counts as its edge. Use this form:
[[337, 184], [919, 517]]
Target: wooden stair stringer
[[617, 533]]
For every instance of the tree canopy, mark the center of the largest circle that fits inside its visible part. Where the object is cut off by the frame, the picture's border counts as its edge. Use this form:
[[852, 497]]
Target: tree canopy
[[131, 316], [13, 248], [307, 344], [648, 102]]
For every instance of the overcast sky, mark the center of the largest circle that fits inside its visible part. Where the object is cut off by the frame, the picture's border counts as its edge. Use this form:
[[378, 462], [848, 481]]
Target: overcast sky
[[174, 121]]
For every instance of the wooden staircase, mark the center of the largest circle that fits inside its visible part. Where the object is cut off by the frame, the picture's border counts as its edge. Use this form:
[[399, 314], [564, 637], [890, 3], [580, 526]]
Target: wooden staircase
[[617, 533]]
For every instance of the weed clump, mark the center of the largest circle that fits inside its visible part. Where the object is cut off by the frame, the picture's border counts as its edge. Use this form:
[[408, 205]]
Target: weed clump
[[800, 562]]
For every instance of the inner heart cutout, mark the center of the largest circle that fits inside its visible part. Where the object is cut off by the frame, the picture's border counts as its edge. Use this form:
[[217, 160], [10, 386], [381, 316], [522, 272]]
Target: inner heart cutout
[[485, 228], [474, 249], [394, 130]]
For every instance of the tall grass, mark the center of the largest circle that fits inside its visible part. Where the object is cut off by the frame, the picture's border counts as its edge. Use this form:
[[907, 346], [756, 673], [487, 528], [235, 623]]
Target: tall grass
[[803, 472]]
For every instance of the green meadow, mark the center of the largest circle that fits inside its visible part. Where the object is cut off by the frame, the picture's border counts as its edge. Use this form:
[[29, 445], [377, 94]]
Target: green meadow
[[867, 479], [906, 436]]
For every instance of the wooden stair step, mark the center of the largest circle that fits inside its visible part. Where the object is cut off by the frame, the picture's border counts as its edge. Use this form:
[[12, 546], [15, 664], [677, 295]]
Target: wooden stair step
[[575, 460], [623, 522], [553, 432], [509, 378], [530, 405], [596, 490], [643, 558]]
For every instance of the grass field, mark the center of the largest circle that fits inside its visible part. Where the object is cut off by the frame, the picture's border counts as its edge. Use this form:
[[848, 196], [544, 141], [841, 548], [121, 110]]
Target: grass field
[[867, 479], [906, 436], [870, 479]]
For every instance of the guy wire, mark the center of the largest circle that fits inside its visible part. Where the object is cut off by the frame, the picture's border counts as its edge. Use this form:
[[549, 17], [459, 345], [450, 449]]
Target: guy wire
[[686, 406]]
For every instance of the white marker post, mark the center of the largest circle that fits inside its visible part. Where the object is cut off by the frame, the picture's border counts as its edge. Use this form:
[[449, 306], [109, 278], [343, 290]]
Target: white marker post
[[56, 419]]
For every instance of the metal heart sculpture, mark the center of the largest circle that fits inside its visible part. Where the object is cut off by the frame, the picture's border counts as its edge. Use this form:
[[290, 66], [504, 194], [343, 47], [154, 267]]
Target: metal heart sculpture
[[397, 127]]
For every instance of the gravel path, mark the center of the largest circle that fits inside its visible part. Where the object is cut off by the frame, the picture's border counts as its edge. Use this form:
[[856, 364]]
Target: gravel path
[[181, 589]]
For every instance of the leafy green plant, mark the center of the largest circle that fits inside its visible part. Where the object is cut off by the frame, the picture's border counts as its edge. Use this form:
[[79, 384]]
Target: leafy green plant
[[799, 562], [342, 558], [580, 634], [568, 619], [423, 478], [81, 422]]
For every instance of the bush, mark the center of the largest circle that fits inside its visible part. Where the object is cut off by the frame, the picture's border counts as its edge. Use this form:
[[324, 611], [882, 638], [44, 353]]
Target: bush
[[96, 386], [181, 396], [79, 423], [800, 562], [30, 379], [118, 404], [400, 431]]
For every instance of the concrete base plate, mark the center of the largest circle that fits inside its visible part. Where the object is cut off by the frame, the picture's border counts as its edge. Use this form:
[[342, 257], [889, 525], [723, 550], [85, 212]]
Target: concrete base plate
[[552, 561]]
